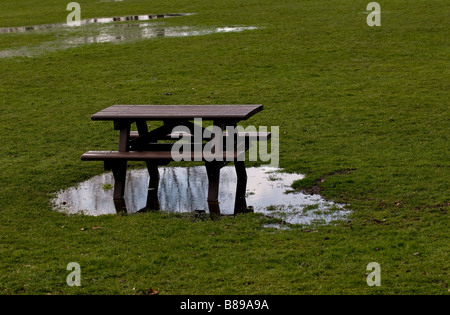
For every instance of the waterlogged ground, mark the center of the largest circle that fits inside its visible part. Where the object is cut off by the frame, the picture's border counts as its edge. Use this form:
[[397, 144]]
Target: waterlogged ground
[[106, 30], [373, 100], [184, 189]]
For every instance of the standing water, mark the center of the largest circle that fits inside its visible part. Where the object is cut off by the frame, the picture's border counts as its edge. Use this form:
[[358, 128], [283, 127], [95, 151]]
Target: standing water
[[184, 189]]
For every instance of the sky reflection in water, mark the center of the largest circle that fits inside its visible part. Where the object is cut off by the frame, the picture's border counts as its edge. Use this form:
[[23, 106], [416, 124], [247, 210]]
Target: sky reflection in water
[[107, 30], [184, 189]]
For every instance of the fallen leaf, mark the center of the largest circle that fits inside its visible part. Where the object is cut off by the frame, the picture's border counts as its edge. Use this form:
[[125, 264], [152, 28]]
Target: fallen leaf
[[149, 292]]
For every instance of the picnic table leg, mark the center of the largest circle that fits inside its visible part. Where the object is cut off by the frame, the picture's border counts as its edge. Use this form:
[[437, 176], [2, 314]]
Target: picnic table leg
[[240, 205], [213, 171], [119, 168], [124, 136], [120, 173], [152, 196]]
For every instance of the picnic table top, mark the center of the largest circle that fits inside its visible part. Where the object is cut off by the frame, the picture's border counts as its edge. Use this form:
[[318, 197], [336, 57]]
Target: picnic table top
[[164, 112]]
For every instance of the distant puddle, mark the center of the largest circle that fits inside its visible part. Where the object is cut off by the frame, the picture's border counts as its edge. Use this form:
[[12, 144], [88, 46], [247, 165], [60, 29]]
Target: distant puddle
[[184, 189], [107, 30], [24, 29]]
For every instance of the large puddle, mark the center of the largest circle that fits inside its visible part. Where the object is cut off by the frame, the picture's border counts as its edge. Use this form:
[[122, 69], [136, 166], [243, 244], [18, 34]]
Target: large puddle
[[107, 30], [184, 189], [45, 27]]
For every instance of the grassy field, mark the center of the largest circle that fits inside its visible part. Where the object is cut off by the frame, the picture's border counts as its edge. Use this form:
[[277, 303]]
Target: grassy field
[[365, 109]]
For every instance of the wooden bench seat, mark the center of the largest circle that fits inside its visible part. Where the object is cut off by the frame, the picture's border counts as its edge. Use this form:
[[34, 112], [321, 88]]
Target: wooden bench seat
[[165, 155], [260, 136]]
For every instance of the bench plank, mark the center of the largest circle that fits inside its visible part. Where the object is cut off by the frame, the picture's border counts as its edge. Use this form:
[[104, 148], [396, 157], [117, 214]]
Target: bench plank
[[147, 155], [261, 136]]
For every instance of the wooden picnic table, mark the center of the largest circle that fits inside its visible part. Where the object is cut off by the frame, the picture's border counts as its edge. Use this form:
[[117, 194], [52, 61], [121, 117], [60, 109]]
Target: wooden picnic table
[[143, 146]]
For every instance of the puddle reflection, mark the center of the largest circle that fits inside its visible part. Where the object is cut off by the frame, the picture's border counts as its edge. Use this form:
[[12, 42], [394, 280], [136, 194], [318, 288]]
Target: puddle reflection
[[124, 32], [184, 189], [24, 29], [107, 30]]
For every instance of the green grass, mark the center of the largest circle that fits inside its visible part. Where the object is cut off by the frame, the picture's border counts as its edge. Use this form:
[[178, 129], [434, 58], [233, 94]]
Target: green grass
[[364, 109]]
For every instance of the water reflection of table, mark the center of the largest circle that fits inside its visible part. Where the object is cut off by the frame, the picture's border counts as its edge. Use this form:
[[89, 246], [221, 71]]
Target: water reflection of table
[[145, 146]]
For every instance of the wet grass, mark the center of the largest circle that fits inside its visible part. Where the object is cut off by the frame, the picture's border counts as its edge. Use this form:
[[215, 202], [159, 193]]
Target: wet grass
[[363, 112]]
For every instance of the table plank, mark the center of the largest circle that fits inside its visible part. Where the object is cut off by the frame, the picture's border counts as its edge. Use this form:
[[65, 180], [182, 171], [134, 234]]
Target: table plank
[[165, 112]]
